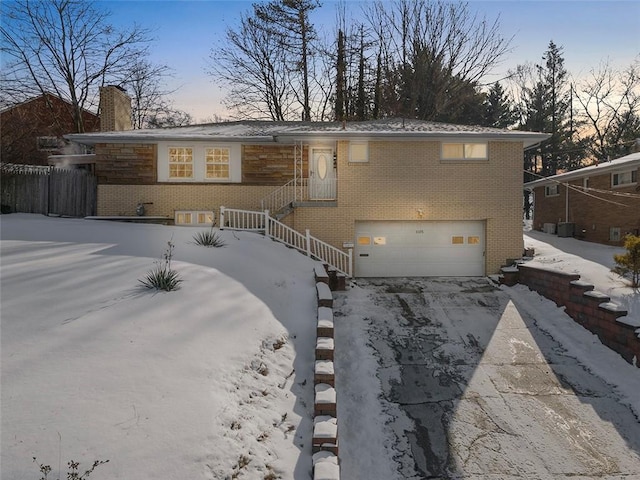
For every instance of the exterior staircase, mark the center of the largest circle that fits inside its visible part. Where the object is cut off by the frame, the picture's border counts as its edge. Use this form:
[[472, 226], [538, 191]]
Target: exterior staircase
[[255, 221]]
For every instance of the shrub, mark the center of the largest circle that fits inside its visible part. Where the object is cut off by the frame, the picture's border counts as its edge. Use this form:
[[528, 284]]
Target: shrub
[[628, 264], [162, 277], [208, 239]]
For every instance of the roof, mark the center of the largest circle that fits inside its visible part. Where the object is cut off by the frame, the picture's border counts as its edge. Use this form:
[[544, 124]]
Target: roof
[[267, 131], [623, 163], [45, 95]]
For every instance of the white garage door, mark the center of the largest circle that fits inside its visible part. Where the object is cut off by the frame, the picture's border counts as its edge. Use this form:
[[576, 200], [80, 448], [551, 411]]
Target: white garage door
[[419, 249]]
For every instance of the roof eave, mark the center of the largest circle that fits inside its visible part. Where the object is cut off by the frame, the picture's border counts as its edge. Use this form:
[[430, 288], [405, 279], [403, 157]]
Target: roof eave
[[608, 167], [90, 139]]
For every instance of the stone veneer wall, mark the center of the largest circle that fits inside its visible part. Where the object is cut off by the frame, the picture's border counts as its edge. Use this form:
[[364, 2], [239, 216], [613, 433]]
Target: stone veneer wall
[[591, 309]]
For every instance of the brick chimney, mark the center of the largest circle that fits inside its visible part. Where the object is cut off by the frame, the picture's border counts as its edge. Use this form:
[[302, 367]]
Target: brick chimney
[[115, 109]]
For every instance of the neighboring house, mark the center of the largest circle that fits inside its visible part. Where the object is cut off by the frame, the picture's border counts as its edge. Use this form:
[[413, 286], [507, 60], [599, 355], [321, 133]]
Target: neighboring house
[[33, 130], [413, 198], [600, 203]]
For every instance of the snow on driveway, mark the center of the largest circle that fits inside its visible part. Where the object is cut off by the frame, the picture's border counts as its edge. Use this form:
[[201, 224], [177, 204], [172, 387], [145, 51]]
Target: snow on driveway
[[459, 378]]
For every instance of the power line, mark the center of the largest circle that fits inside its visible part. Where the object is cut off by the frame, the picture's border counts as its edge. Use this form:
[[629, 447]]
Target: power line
[[586, 190]]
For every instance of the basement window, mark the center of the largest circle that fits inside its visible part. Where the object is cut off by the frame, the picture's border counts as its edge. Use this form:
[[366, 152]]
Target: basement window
[[194, 217]]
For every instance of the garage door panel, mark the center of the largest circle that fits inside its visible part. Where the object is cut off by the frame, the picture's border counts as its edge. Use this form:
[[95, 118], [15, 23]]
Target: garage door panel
[[420, 249]]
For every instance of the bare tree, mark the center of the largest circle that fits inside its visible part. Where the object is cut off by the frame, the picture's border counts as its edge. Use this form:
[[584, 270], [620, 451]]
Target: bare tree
[[253, 63], [435, 53], [65, 47], [149, 104], [610, 104], [289, 20]]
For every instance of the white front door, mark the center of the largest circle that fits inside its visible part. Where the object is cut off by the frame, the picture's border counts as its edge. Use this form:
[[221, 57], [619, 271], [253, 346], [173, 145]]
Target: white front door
[[322, 174]]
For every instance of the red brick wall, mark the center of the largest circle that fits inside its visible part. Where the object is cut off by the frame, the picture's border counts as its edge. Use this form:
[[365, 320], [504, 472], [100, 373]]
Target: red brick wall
[[594, 215], [591, 309], [41, 117]]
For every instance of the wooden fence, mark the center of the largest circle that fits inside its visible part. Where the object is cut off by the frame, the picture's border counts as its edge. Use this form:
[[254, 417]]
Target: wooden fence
[[48, 190]]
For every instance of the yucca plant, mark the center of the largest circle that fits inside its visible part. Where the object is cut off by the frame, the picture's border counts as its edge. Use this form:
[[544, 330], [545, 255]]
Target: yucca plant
[[209, 239], [162, 277]]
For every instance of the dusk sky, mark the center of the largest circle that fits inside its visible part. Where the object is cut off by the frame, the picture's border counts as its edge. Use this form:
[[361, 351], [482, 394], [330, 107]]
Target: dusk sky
[[185, 32]]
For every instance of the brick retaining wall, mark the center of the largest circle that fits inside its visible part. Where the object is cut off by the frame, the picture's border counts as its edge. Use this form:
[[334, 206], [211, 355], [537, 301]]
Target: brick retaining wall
[[588, 307]]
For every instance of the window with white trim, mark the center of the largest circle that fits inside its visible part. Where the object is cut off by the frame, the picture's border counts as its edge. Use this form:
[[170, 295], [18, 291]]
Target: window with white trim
[[624, 178], [358, 152], [193, 162], [551, 190], [193, 217], [180, 162], [217, 163], [464, 151]]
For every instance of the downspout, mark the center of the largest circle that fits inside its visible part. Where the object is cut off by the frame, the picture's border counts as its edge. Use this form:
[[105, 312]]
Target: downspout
[[566, 203]]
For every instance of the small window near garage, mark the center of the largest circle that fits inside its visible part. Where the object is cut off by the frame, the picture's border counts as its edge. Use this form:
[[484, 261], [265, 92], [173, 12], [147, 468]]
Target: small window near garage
[[473, 240], [629, 177], [48, 144], [358, 152], [364, 240], [551, 190], [614, 234], [457, 240], [464, 151], [379, 240], [217, 163], [180, 162]]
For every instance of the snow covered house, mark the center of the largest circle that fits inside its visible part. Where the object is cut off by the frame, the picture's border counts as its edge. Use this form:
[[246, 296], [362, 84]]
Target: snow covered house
[[600, 203], [412, 198]]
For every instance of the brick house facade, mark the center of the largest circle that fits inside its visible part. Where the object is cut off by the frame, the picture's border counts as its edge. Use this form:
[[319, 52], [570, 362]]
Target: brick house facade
[[383, 171], [33, 130], [601, 201]]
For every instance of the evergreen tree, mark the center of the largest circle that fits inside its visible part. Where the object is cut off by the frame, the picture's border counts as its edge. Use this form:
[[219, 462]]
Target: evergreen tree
[[547, 108], [498, 111]]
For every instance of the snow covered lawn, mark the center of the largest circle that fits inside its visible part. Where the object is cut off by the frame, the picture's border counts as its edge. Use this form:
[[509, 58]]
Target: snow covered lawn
[[213, 380], [204, 382]]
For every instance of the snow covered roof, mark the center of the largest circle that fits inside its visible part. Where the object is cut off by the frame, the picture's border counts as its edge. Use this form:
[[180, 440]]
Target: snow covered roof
[[267, 131], [619, 164]]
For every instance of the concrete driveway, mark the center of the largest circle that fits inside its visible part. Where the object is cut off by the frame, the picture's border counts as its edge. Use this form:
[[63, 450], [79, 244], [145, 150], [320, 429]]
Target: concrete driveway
[[456, 381]]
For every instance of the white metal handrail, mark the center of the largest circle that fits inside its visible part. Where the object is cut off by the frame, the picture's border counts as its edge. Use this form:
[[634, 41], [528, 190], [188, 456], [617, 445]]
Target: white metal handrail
[[279, 198], [234, 219]]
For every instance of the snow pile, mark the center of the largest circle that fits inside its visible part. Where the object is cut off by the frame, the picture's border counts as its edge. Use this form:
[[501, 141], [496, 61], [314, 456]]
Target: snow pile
[[592, 261]]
